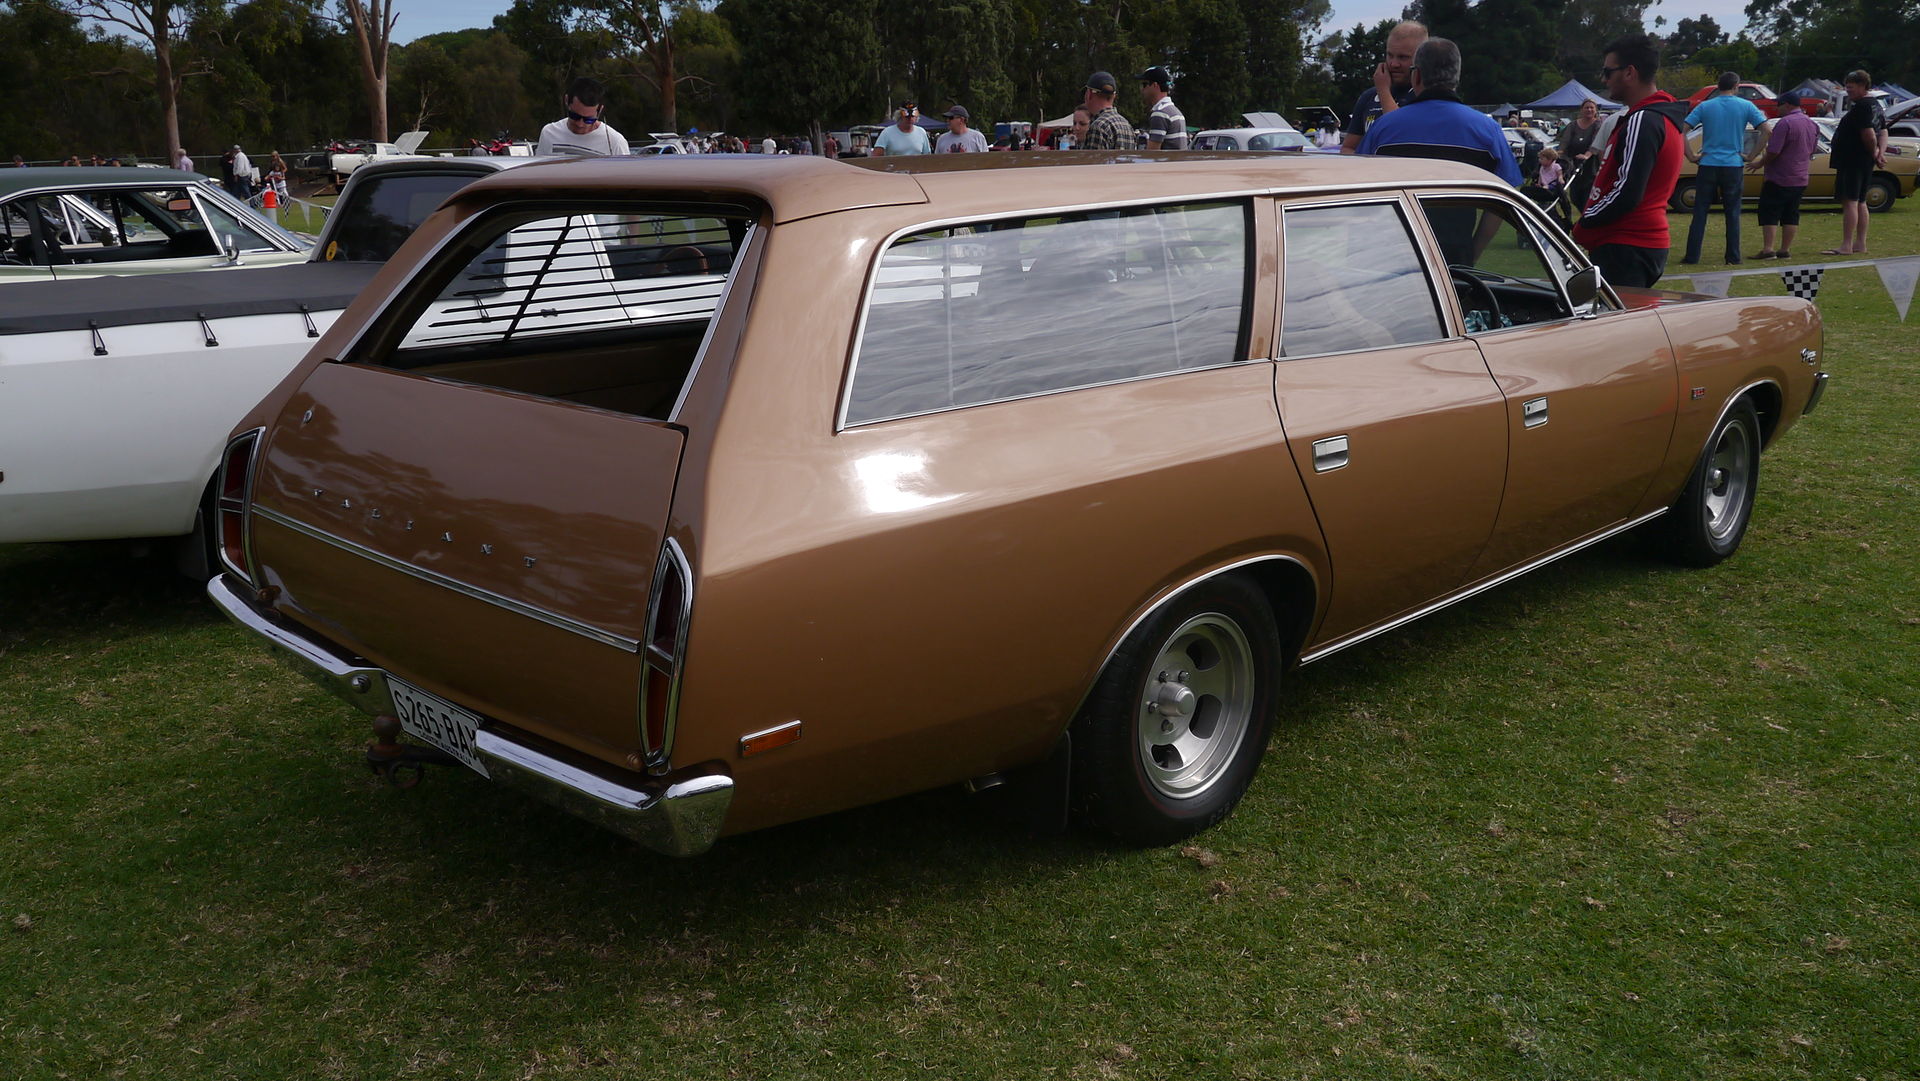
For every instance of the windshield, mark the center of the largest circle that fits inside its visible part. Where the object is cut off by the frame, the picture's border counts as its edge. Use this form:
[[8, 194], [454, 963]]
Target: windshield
[[390, 208]]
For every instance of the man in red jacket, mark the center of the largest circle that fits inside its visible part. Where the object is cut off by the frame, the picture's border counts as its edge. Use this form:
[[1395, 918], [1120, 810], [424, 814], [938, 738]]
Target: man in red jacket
[[1624, 226]]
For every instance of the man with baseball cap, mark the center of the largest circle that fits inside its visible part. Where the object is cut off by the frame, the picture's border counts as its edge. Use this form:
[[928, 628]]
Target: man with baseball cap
[[904, 136], [1166, 125], [958, 138], [1108, 130]]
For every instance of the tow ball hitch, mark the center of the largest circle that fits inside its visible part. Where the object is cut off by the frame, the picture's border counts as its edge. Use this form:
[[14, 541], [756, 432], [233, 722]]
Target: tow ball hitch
[[401, 765]]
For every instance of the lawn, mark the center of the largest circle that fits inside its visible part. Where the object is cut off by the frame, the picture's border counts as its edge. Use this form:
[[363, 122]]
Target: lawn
[[1611, 820]]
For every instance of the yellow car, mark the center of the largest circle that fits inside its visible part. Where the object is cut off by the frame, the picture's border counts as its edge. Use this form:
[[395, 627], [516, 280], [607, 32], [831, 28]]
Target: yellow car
[[1893, 181]]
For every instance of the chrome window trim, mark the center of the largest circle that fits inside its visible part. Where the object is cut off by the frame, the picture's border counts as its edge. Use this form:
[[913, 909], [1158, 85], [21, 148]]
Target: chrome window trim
[[227, 203], [671, 554], [552, 619], [1442, 313], [1480, 587], [1049, 393], [748, 248], [873, 277]]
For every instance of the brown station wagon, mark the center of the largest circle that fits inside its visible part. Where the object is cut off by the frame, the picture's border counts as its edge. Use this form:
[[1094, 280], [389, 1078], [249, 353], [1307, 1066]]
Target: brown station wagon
[[698, 495]]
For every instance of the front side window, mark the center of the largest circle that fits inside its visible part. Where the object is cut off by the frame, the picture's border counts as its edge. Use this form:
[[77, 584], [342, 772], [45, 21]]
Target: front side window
[[1355, 280], [1009, 309], [1502, 271]]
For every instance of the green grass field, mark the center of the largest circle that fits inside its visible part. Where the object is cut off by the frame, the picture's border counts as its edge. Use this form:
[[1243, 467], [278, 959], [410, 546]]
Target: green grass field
[[1614, 820]]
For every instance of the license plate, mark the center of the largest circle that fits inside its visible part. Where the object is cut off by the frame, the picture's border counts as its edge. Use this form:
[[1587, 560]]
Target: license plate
[[437, 721]]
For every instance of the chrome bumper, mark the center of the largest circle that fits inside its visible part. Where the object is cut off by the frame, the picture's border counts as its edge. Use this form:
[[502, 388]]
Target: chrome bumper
[[679, 814], [1819, 388]]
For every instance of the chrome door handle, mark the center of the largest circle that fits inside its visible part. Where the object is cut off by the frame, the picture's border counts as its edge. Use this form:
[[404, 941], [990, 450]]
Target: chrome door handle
[[1533, 413], [1329, 454]]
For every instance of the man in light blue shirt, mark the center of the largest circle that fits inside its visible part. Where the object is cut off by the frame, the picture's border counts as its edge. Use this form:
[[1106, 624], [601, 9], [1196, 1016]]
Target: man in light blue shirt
[[1723, 119], [904, 137]]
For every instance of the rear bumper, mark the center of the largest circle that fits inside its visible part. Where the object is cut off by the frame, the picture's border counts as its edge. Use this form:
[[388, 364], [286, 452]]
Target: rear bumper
[[679, 814]]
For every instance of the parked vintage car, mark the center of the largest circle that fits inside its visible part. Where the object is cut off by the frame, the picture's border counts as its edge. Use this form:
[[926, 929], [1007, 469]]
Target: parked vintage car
[[58, 223], [1895, 180], [824, 525], [116, 394], [1762, 97]]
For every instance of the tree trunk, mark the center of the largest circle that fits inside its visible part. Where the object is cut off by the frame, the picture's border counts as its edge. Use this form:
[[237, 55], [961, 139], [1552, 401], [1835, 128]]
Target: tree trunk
[[164, 85], [372, 30], [663, 70]]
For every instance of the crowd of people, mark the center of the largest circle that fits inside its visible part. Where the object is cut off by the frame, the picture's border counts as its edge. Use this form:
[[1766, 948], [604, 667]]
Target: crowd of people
[[1609, 179]]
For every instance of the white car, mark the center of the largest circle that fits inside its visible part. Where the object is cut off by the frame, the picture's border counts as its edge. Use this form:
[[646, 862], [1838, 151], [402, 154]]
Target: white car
[[116, 395], [58, 223], [1251, 139]]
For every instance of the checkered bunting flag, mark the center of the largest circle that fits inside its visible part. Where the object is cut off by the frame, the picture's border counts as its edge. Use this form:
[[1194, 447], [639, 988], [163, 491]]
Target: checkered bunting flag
[[1802, 283]]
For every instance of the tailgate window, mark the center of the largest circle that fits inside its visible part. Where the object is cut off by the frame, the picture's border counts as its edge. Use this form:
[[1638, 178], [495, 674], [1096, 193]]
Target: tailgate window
[[606, 309]]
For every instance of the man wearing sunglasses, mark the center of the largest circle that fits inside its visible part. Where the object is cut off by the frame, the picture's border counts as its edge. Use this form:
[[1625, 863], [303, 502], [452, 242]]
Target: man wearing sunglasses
[[1624, 224], [581, 133]]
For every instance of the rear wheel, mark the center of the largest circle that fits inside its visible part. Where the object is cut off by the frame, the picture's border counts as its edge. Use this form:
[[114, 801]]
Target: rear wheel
[[1176, 726], [1881, 192], [1684, 195], [1706, 524]]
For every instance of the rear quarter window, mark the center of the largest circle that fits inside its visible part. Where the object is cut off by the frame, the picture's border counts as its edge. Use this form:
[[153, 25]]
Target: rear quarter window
[[1007, 309]]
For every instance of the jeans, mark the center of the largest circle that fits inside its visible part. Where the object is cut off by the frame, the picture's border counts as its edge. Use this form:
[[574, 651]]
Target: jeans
[[1724, 182]]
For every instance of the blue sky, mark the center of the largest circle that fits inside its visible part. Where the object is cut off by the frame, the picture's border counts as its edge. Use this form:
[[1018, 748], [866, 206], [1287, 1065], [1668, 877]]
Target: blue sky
[[421, 17]]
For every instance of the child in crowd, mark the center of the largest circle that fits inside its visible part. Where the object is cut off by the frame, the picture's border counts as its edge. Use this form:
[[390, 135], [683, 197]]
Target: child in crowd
[[1553, 181]]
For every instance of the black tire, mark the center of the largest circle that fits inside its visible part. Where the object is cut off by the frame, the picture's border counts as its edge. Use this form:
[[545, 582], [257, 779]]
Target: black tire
[[1175, 728], [1707, 522], [1684, 194], [1881, 192]]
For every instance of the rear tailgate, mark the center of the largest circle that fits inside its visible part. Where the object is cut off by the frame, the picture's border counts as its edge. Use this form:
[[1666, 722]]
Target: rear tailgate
[[488, 546]]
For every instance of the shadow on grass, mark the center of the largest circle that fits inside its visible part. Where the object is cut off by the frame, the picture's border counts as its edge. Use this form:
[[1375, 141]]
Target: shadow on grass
[[65, 593]]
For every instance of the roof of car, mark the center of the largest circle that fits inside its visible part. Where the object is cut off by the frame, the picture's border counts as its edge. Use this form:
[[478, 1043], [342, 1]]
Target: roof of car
[[796, 186], [86, 176]]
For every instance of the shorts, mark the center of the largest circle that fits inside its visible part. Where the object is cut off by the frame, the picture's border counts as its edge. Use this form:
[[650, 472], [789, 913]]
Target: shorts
[[1780, 205], [1850, 183]]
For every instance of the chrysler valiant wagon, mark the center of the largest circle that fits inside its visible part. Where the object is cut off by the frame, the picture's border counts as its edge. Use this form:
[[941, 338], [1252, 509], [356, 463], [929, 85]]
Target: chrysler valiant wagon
[[702, 494]]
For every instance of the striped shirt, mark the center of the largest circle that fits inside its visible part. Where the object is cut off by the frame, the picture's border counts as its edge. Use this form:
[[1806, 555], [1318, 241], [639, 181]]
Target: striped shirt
[[1168, 124]]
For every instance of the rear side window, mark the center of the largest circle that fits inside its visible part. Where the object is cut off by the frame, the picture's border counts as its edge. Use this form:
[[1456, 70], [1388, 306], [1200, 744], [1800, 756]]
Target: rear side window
[[1355, 280], [1009, 309], [602, 309]]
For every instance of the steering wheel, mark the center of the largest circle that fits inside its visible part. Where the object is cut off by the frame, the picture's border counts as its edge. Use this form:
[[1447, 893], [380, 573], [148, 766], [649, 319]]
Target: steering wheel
[[685, 259], [1466, 275]]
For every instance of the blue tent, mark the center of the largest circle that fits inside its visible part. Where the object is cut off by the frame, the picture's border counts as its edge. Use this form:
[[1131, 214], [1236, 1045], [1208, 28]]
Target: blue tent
[[1572, 95]]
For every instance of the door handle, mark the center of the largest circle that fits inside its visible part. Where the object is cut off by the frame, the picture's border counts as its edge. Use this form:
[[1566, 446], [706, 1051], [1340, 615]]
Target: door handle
[[1329, 454], [1533, 413]]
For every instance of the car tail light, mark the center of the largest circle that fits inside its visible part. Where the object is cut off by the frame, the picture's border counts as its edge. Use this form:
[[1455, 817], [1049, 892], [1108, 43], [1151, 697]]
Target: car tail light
[[234, 488], [663, 654]]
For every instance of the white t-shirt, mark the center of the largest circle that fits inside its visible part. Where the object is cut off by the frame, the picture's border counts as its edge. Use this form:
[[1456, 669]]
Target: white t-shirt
[[970, 143], [894, 141], [601, 142]]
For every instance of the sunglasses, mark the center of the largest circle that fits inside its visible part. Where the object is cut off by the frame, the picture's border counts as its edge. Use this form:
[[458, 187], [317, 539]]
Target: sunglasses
[[589, 120], [1607, 73]]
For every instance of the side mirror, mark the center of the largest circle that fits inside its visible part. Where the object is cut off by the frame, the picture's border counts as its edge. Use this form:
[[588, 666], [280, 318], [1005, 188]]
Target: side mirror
[[1584, 288]]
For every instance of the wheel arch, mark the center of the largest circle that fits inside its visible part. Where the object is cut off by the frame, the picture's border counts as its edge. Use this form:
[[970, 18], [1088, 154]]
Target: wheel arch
[[1287, 582], [1768, 400]]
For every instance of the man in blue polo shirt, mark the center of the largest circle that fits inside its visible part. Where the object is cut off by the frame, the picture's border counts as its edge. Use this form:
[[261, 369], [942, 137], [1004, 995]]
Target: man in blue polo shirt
[[1723, 119], [1435, 124]]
